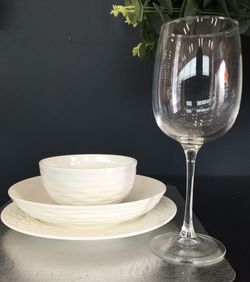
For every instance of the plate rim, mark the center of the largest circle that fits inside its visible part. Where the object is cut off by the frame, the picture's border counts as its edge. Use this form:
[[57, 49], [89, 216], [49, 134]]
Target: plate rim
[[172, 208]]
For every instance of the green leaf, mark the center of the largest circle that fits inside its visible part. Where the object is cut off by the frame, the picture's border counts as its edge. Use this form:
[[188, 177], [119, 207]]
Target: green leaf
[[223, 5], [138, 9], [154, 24], [244, 25], [167, 4], [247, 32], [142, 51], [137, 15], [206, 3], [145, 32], [159, 11], [234, 6], [192, 7], [183, 6], [150, 28], [127, 3], [166, 17], [246, 5]]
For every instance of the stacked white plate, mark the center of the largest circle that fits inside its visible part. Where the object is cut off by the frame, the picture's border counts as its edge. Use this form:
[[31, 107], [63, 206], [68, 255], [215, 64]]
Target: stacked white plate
[[34, 212]]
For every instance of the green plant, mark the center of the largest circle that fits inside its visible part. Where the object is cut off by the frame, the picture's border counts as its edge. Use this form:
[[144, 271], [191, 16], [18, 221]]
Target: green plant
[[149, 15]]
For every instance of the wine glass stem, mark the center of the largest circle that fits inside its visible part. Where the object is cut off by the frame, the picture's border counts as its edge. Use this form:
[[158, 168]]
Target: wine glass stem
[[187, 230]]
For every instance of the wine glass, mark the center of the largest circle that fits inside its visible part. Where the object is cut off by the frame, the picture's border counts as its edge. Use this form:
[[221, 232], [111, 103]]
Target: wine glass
[[196, 98]]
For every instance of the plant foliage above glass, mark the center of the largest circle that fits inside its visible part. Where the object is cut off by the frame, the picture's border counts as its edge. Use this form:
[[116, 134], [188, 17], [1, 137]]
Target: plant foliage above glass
[[149, 15]]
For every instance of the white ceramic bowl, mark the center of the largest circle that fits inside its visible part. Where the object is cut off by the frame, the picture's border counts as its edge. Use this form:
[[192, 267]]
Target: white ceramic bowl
[[88, 179]]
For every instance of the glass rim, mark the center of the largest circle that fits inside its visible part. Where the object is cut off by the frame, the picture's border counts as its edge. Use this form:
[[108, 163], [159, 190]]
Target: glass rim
[[234, 27]]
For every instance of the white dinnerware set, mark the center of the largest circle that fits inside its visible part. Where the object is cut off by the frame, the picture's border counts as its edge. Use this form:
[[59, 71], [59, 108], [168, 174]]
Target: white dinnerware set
[[87, 197]]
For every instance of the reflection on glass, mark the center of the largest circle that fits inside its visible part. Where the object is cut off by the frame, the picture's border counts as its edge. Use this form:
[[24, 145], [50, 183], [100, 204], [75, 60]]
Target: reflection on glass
[[194, 81]]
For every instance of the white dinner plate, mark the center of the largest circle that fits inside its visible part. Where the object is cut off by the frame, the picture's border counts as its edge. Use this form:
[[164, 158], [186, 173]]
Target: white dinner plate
[[16, 219], [31, 197]]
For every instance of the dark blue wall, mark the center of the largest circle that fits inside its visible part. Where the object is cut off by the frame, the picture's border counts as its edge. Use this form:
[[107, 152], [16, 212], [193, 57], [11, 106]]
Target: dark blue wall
[[68, 84]]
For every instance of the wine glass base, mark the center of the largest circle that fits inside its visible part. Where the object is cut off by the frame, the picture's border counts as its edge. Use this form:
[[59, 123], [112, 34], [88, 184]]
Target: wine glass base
[[202, 250]]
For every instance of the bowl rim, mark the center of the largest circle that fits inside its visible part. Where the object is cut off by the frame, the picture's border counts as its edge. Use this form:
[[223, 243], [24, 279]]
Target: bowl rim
[[130, 161]]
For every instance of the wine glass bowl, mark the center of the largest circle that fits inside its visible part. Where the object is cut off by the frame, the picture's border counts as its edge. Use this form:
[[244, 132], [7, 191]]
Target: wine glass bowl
[[197, 82], [196, 98]]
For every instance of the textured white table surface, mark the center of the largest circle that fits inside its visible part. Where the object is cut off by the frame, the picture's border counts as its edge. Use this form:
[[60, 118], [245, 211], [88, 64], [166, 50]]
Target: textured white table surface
[[29, 259]]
